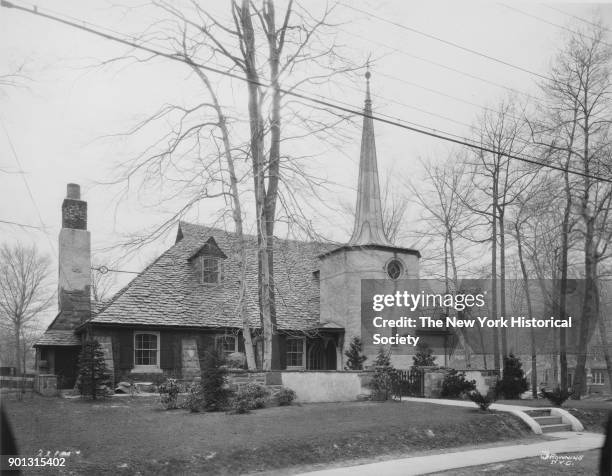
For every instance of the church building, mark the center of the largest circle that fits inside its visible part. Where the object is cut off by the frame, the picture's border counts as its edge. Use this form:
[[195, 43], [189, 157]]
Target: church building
[[185, 302]]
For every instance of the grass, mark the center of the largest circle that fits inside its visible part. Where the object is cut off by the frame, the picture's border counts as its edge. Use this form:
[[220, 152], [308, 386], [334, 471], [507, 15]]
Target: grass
[[589, 465], [124, 435]]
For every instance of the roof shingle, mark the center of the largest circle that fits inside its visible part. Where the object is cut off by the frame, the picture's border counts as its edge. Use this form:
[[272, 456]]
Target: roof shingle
[[168, 292]]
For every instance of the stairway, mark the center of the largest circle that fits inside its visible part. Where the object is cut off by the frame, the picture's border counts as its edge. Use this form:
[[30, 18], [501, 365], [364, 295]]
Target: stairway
[[548, 423]]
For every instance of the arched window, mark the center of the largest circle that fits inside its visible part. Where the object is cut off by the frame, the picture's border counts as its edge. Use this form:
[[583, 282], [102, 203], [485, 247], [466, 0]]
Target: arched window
[[394, 269]]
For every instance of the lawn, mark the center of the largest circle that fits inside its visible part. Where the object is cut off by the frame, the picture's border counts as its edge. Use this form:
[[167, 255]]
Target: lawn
[[125, 435]]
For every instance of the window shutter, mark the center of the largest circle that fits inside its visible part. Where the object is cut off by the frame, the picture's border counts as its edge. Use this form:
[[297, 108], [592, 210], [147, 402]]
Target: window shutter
[[282, 351], [167, 350], [126, 349]]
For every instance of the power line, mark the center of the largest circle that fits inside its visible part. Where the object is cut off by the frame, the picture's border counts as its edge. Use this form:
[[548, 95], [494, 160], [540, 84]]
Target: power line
[[21, 225], [576, 17], [27, 185], [447, 42], [443, 66], [556, 25], [322, 102]]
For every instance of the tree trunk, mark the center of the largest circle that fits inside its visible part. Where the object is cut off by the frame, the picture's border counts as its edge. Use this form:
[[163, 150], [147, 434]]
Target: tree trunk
[[496, 361], [259, 172], [18, 349], [534, 366], [502, 280]]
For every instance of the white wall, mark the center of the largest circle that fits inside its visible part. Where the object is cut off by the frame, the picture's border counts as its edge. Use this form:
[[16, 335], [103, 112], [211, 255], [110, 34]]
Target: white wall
[[327, 386]]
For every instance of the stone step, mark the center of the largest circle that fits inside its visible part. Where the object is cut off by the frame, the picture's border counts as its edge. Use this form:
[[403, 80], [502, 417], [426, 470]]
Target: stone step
[[538, 413], [548, 420], [558, 427]]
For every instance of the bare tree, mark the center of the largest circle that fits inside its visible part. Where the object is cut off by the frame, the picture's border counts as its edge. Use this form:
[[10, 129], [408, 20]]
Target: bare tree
[[225, 151], [579, 91], [498, 181], [24, 291]]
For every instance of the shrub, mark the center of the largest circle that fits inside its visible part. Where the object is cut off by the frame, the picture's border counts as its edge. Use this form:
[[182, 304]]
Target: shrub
[[483, 401], [285, 396], [384, 376], [455, 384], [557, 397], [355, 358], [423, 356], [195, 399], [214, 383], [250, 397], [236, 360], [168, 394], [92, 375], [513, 381]]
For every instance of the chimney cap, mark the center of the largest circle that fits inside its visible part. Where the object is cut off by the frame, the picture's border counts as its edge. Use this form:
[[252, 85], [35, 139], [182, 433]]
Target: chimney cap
[[73, 191]]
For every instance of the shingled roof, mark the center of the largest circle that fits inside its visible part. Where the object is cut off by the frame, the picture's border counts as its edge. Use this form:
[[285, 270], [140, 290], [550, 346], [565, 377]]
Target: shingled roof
[[58, 337], [169, 292]]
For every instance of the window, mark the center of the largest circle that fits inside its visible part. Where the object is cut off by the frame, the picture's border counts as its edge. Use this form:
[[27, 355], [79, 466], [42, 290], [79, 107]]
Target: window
[[146, 350], [598, 377], [394, 269], [210, 269], [295, 353], [226, 344]]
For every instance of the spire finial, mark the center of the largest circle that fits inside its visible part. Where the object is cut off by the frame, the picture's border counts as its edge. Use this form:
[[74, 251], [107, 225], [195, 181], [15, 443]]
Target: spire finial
[[368, 98]]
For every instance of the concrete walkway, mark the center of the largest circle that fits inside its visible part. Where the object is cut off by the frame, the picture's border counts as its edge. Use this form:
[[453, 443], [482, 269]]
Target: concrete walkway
[[519, 411], [567, 442]]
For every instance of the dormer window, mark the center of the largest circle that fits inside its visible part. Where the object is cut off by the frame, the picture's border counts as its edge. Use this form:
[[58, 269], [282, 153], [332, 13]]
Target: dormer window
[[208, 262], [210, 269]]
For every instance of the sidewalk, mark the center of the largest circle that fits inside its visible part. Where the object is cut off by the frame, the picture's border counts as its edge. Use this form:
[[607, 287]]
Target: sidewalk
[[568, 442]]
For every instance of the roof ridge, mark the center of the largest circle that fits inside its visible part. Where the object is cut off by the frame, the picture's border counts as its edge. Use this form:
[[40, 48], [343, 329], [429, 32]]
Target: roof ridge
[[248, 235]]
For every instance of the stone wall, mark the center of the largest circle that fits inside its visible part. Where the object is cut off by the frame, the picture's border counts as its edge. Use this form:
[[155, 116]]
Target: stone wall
[[326, 386]]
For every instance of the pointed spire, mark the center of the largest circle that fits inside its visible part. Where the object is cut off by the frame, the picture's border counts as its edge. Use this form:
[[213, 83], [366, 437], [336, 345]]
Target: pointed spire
[[368, 228]]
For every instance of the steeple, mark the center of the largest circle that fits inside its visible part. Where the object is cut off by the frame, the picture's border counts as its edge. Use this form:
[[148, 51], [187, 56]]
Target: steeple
[[368, 228]]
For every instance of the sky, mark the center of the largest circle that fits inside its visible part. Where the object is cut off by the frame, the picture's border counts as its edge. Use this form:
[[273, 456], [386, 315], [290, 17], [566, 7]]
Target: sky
[[67, 121]]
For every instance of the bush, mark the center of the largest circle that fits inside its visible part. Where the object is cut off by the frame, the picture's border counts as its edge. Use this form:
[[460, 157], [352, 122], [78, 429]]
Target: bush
[[423, 356], [557, 397], [355, 359], [168, 394], [250, 397], [384, 376], [513, 381], [215, 393], [483, 401], [195, 399], [93, 379], [285, 396], [455, 384]]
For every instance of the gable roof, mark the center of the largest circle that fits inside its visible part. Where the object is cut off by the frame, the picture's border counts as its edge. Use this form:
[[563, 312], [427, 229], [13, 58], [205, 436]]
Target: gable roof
[[169, 293]]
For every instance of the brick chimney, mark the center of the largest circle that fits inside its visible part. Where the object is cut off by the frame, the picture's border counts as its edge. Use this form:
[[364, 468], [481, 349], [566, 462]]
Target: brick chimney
[[74, 282]]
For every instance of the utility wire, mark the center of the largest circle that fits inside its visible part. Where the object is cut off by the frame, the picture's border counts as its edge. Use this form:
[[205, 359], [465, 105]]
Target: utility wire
[[576, 17], [447, 42], [21, 225], [27, 185], [326, 103], [443, 66], [556, 25]]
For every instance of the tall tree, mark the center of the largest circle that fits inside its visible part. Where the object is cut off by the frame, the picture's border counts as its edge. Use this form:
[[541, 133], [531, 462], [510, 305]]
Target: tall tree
[[274, 53], [24, 291], [580, 87]]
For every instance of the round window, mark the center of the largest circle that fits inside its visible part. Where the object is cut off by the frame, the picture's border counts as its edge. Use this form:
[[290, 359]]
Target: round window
[[394, 269]]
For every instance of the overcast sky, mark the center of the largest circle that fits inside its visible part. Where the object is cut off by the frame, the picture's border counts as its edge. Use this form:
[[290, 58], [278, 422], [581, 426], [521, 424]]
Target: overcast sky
[[59, 124]]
